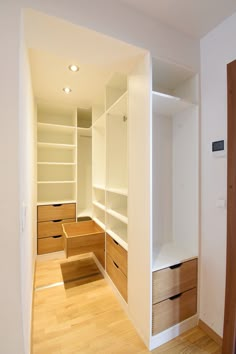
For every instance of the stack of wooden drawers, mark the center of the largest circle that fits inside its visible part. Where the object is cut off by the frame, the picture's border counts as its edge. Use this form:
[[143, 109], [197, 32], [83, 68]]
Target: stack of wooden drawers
[[174, 295], [50, 220], [116, 265]]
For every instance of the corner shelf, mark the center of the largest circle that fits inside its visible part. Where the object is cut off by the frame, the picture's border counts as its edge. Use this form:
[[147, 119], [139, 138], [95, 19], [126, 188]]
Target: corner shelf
[[55, 182], [121, 191], [120, 216], [99, 205], [51, 126], [64, 201], [168, 105], [84, 131], [57, 163], [98, 186], [120, 106], [56, 145]]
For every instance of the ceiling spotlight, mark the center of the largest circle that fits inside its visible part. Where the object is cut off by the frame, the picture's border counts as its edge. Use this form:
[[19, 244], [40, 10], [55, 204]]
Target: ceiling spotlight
[[67, 90], [73, 68]]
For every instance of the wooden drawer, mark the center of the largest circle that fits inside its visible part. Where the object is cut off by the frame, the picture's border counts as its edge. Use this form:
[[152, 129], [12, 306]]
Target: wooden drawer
[[174, 280], [174, 310], [56, 212], [117, 253], [50, 244], [51, 228], [116, 275]]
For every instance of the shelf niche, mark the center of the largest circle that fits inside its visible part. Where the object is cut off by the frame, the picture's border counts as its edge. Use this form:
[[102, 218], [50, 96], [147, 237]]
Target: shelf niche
[[175, 168]]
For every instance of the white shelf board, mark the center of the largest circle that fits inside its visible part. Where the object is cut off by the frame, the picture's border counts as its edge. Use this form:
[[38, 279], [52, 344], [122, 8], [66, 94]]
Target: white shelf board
[[123, 241], [118, 215], [58, 146], [99, 186], [57, 163], [47, 202], [54, 127], [120, 106], [122, 191], [84, 131], [99, 205], [171, 254], [168, 105], [101, 224], [55, 182]]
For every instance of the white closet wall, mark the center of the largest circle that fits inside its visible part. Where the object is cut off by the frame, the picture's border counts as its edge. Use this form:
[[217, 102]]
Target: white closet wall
[[139, 204]]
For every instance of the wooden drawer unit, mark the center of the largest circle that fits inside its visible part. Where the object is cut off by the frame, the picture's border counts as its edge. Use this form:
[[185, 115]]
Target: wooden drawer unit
[[50, 221], [117, 253], [56, 212], [84, 237], [50, 244], [117, 276], [174, 310], [51, 228], [174, 280]]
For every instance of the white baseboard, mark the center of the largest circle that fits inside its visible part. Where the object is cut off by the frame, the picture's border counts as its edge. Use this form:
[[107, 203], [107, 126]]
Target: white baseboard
[[173, 332]]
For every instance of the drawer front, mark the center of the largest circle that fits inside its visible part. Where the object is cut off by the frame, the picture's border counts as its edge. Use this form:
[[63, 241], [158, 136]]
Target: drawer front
[[50, 244], [84, 244], [117, 253], [172, 311], [171, 281], [118, 278], [51, 228], [56, 212]]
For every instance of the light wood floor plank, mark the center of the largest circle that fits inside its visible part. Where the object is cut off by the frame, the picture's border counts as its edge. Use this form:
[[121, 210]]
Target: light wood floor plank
[[84, 316]]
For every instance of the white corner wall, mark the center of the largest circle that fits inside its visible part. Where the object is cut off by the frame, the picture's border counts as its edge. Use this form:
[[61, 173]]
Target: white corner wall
[[10, 295], [217, 49]]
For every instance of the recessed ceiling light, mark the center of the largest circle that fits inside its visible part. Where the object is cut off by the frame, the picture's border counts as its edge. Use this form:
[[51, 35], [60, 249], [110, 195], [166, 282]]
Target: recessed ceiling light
[[67, 90], [73, 68]]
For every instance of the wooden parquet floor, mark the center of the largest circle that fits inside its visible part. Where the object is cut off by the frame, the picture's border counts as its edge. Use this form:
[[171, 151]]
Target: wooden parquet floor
[[80, 314]]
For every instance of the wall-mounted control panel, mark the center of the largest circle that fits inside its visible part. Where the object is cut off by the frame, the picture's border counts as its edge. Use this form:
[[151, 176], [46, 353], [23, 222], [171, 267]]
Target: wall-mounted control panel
[[218, 148]]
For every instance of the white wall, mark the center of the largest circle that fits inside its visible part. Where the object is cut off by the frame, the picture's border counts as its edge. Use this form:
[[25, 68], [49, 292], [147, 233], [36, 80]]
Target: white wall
[[10, 295], [28, 189], [112, 19], [217, 49]]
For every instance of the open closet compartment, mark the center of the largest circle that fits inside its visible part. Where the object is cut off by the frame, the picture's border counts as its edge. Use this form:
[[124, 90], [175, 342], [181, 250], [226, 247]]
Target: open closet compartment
[[84, 164], [110, 161], [175, 201], [175, 164]]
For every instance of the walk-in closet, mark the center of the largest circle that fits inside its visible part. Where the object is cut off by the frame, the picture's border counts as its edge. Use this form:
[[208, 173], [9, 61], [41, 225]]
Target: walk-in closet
[[117, 147]]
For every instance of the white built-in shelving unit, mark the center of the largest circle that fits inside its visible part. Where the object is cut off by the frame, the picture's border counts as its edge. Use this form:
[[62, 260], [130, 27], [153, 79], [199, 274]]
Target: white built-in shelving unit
[[175, 165], [64, 150], [56, 151], [110, 166]]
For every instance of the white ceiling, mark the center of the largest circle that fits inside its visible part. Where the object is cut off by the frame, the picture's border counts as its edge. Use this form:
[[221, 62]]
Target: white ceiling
[[55, 44], [193, 17]]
